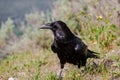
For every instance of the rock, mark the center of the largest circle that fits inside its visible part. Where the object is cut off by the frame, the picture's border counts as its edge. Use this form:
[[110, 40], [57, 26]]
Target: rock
[[11, 78]]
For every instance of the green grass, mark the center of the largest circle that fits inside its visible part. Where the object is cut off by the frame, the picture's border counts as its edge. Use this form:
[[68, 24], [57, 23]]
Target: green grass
[[42, 66]]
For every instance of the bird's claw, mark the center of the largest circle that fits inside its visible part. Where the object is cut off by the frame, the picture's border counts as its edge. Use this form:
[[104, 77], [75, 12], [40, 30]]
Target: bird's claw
[[60, 74]]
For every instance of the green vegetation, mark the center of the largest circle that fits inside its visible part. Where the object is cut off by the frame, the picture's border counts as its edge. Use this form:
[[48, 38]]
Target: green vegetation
[[30, 57]]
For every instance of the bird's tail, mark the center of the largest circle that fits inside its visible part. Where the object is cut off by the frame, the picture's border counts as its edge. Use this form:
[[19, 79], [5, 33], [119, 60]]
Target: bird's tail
[[92, 54]]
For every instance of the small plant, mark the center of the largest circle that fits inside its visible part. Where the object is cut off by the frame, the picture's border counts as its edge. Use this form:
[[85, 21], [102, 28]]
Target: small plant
[[51, 76]]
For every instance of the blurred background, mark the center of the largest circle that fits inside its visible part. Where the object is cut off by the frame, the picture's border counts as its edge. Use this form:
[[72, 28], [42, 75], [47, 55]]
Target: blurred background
[[16, 10], [25, 52]]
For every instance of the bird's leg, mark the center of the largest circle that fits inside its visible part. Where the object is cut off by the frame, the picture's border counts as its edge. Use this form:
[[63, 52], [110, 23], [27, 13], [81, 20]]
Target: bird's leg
[[79, 65], [60, 73], [84, 65]]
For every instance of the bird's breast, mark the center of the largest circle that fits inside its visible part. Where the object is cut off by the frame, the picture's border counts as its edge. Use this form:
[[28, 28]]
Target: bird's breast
[[66, 48]]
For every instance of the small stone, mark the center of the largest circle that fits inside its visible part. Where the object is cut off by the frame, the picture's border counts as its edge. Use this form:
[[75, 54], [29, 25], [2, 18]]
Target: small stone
[[11, 78]]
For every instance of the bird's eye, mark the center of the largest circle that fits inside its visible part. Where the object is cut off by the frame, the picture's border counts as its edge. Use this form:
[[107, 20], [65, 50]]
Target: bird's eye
[[55, 27]]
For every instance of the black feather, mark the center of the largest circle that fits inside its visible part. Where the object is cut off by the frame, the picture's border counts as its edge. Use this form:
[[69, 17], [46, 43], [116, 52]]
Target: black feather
[[69, 48], [92, 54]]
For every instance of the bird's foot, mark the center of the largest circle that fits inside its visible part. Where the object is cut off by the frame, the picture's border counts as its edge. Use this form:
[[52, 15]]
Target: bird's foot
[[60, 74], [59, 78], [83, 70]]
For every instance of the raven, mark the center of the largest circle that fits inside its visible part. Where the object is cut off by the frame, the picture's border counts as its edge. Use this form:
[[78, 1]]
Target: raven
[[68, 47]]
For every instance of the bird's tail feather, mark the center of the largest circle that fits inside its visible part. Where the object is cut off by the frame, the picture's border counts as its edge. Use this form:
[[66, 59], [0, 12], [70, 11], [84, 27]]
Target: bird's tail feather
[[92, 54]]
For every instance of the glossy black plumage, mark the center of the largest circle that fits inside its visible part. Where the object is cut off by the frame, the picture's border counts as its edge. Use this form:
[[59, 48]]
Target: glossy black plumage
[[68, 47]]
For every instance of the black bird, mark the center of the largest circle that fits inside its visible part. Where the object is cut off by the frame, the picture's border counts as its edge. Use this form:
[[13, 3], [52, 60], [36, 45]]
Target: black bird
[[69, 48]]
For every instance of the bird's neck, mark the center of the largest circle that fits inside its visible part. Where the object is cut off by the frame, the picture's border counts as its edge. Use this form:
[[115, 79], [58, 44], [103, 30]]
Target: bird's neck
[[63, 37]]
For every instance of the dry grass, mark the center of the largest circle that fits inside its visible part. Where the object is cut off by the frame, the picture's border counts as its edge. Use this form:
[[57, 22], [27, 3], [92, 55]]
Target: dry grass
[[30, 57]]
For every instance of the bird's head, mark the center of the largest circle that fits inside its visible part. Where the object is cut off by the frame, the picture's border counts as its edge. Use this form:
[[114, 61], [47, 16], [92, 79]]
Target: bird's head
[[54, 26], [59, 28]]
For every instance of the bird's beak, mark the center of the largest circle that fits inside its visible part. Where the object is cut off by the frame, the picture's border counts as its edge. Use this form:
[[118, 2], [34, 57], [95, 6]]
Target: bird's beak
[[45, 26]]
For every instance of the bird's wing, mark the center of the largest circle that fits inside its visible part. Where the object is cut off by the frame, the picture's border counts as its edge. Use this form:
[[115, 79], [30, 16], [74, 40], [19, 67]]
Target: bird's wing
[[80, 46], [54, 47]]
